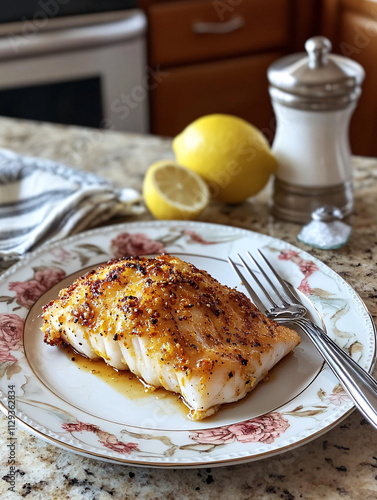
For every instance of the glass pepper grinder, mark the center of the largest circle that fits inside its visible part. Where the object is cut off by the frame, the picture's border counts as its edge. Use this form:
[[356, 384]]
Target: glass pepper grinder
[[314, 97]]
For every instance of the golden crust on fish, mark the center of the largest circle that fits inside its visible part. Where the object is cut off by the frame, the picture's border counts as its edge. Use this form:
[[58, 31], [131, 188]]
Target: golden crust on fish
[[171, 324]]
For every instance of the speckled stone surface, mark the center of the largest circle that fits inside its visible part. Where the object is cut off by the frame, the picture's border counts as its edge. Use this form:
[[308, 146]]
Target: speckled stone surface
[[342, 464]]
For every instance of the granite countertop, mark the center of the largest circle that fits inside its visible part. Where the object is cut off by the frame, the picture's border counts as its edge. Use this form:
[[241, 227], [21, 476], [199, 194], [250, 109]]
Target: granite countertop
[[342, 464]]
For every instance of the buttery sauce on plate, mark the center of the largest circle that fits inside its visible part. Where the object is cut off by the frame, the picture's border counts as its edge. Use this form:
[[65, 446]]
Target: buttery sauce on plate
[[130, 386], [273, 373], [124, 382]]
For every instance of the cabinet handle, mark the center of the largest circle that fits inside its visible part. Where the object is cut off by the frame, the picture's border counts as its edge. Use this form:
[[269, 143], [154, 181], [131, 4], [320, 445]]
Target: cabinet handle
[[233, 24]]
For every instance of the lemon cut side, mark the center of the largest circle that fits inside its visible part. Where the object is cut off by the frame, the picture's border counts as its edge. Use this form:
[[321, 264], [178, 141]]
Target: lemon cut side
[[174, 192]]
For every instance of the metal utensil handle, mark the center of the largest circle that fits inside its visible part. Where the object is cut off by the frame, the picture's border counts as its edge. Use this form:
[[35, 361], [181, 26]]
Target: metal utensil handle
[[361, 386], [221, 28]]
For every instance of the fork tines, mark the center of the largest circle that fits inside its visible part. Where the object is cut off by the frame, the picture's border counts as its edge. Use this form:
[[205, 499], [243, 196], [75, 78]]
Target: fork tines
[[278, 292]]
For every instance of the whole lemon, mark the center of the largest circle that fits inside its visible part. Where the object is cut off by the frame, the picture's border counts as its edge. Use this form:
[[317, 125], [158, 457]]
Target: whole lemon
[[232, 156]]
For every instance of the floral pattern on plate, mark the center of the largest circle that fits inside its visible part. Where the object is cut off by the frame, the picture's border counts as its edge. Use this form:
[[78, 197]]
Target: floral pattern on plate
[[11, 329], [317, 408], [263, 429], [28, 291]]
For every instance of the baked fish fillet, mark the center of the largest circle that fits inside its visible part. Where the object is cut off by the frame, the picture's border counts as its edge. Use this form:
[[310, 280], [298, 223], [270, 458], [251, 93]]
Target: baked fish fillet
[[172, 325]]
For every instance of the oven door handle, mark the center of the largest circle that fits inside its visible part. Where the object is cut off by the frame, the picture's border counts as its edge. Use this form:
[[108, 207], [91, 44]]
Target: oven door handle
[[28, 43]]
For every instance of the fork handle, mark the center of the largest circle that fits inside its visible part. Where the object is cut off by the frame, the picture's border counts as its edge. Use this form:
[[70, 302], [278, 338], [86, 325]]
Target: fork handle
[[361, 387]]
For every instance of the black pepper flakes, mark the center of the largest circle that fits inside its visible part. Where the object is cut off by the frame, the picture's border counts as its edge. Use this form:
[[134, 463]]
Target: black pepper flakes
[[341, 468], [243, 361]]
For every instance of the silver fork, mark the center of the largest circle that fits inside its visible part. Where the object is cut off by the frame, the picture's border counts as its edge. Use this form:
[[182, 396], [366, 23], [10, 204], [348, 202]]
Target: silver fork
[[361, 387]]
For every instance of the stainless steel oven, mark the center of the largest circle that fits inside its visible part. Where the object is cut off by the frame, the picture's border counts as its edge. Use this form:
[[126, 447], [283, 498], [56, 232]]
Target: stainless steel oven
[[87, 69]]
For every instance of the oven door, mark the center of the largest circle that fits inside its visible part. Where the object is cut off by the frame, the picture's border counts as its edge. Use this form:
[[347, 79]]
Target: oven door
[[85, 70]]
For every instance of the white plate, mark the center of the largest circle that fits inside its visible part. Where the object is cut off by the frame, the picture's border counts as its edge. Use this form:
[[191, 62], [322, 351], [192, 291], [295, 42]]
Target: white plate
[[73, 408]]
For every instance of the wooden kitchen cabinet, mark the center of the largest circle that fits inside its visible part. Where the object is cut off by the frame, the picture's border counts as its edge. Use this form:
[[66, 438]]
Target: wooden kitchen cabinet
[[352, 27], [226, 72], [237, 86], [175, 40], [215, 55]]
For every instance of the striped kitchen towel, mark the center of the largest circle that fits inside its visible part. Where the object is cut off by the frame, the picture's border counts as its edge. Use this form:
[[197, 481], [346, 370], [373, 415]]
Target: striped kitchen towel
[[43, 200]]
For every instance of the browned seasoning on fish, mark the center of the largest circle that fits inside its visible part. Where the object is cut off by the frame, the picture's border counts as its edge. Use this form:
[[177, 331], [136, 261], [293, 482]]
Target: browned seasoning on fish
[[172, 325]]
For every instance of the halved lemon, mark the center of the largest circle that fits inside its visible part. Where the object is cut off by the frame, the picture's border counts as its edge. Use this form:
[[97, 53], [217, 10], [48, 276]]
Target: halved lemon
[[174, 192]]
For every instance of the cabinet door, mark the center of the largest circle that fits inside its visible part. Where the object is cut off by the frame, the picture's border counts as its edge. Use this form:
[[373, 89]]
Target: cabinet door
[[195, 30], [238, 87], [357, 39]]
